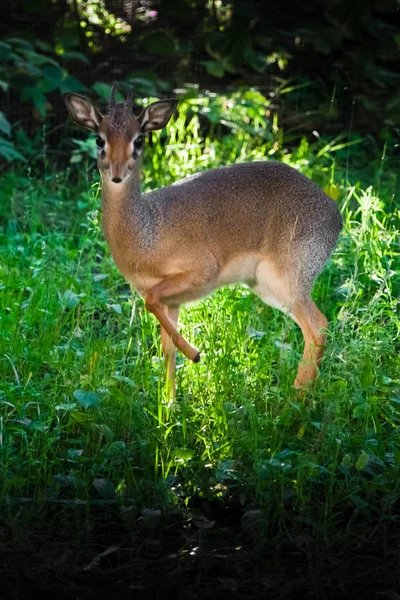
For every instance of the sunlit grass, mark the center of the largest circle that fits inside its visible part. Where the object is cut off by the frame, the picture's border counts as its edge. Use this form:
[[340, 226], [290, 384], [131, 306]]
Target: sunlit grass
[[83, 410]]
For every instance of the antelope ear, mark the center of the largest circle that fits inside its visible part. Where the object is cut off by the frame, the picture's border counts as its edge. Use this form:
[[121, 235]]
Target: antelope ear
[[157, 115], [82, 111]]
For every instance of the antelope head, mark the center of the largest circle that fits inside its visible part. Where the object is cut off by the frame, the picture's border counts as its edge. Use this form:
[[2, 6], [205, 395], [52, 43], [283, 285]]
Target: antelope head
[[120, 135]]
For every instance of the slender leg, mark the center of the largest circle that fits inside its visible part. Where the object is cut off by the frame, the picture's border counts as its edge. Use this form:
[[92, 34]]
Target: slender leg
[[170, 350], [176, 286], [286, 295], [187, 349], [313, 325]]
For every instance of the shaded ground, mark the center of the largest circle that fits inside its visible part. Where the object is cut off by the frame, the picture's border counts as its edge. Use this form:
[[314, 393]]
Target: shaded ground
[[81, 553]]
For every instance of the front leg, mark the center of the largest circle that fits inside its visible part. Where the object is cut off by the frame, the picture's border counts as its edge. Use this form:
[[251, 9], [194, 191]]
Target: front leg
[[169, 350], [167, 289]]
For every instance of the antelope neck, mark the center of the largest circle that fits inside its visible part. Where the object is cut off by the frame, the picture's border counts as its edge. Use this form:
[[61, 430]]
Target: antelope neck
[[126, 213]]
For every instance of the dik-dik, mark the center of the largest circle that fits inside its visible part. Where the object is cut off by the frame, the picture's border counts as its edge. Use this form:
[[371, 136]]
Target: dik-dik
[[259, 223]]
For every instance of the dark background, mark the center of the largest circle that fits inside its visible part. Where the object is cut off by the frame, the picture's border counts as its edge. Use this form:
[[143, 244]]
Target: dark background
[[331, 65]]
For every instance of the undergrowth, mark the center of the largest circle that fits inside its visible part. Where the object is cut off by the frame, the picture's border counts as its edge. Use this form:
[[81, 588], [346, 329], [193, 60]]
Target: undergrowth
[[83, 412]]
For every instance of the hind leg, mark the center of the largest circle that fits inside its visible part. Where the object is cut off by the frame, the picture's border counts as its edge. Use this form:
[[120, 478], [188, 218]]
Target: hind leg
[[313, 325], [288, 295], [169, 350]]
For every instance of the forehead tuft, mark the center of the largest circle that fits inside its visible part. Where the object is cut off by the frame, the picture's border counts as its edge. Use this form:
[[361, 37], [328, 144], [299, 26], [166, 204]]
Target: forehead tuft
[[121, 122]]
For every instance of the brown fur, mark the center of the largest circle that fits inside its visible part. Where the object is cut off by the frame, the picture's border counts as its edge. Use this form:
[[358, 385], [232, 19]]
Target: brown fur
[[259, 223]]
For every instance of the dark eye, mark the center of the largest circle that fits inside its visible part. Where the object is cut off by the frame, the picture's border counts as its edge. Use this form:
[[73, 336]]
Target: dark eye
[[100, 142], [139, 141]]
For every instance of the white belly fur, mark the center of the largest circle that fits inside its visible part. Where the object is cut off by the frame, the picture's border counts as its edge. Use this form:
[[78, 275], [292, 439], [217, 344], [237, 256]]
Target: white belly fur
[[242, 269]]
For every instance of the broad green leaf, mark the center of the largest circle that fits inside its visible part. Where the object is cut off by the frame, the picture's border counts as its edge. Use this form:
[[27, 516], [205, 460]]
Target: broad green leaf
[[15, 482], [301, 432], [126, 380], [44, 86], [86, 399], [362, 461], [20, 42], [72, 55], [100, 276], [30, 72], [8, 151], [360, 503], [5, 126], [72, 84], [116, 308], [115, 448], [38, 59], [74, 454], [225, 470], [367, 375], [39, 100], [44, 46], [70, 299], [183, 453], [54, 74], [254, 334], [105, 488], [347, 461], [151, 517], [66, 406], [214, 68], [78, 416], [4, 46]]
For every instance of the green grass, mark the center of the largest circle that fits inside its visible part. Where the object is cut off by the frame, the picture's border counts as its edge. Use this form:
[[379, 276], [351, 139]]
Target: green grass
[[83, 410]]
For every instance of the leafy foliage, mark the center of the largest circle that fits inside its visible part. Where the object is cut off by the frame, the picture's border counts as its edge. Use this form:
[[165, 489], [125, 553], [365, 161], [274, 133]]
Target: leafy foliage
[[342, 55], [84, 417], [30, 72]]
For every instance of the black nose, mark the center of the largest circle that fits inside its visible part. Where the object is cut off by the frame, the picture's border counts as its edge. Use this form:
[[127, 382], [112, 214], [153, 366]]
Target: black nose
[[116, 179]]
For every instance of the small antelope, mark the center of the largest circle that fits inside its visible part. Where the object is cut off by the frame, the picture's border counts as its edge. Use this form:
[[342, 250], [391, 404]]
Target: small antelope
[[260, 223]]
